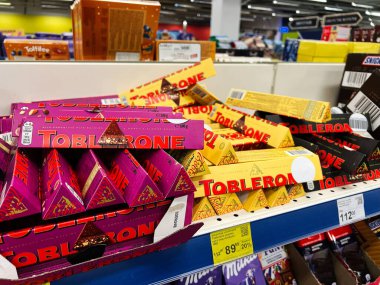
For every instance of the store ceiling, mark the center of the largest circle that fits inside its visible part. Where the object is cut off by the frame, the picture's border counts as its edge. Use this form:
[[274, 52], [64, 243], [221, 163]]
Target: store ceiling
[[199, 11]]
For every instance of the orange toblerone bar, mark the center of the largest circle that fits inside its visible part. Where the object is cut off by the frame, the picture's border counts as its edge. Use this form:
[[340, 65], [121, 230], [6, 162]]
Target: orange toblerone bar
[[224, 204], [203, 209], [263, 131]]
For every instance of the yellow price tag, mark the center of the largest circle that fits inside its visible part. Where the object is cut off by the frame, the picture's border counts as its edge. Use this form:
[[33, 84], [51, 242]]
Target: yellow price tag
[[232, 243]]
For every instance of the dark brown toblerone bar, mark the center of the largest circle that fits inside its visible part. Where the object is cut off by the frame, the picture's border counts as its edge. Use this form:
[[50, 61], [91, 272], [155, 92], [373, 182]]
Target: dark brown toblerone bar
[[333, 154]]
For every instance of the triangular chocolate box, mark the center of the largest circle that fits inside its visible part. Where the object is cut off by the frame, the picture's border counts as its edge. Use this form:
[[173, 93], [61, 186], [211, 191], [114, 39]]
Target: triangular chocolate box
[[132, 179], [98, 189], [203, 209], [60, 190]]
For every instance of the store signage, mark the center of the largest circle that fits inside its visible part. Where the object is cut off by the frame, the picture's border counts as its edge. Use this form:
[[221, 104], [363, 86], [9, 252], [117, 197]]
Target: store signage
[[304, 23], [346, 19], [351, 209]]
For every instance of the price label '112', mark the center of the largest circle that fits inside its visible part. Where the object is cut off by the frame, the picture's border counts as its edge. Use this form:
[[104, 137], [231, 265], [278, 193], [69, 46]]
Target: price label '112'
[[351, 209]]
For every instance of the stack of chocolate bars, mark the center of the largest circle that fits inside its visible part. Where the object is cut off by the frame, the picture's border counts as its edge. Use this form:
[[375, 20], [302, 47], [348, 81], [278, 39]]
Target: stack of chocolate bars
[[82, 180]]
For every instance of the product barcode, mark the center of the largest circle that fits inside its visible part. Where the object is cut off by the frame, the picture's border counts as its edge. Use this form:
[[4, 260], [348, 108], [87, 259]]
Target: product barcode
[[362, 104], [354, 79], [110, 101], [185, 47], [236, 94], [244, 230], [298, 152], [310, 185], [199, 92], [358, 122]]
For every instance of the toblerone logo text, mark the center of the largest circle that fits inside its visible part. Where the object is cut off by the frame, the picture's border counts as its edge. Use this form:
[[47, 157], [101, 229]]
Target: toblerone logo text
[[212, 187], [37, 49], [117, 176], [318, 128], [328, 159], [21, 169], [153, 171]]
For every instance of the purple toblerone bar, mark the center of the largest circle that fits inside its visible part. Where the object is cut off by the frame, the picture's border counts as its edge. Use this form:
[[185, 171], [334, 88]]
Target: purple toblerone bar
[[19, 195], [130, 177], [170, 176], [98, 189], [60, 190]]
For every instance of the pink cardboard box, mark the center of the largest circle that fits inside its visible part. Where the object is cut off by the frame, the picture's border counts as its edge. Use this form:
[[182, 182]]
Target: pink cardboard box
[[80, 132], [97, 187], [19, 196], [61, 195]]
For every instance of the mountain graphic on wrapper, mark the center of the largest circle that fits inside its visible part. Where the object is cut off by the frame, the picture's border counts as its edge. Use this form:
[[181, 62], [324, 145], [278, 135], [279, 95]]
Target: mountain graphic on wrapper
[[113, 135], [147, 196], [13, 201]]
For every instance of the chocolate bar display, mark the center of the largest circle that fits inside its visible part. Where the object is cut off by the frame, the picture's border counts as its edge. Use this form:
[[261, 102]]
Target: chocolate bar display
[[202, 96], [359, 68], [130, 178], [169, 175], [157, 92], [276, 266], [244, 271], [225, 203], [61, 195], [80, 132], [346, 246], [97, 187], [238, 140], [260, 169], [310, 110], [367, 100], [19, 195], [203, 209], [192, 160], [316, 252], [213, 276], [217, 149], [263, 131]]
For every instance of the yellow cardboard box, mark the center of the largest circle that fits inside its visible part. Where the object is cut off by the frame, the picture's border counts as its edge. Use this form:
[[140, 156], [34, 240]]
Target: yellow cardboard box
[[203, 209], [224, 204]]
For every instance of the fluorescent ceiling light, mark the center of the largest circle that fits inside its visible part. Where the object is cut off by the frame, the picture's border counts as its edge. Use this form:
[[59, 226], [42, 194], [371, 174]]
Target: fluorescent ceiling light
[[260, 8], [274, 14], [284, 3], [167, 12], [245, 12], [5, 4], [298, 11], [51, 6], [374, 13], [320, 1], [333, 9], [361, 5], [291, 19], [372, 24]]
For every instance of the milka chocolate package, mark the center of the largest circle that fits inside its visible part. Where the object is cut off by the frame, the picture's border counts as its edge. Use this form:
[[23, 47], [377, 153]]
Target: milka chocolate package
[[97, 188], [213, 276], [345, 245], [244, 271], [169, 175], [131, 179], [140, 133], [60, 190], [19, 195]]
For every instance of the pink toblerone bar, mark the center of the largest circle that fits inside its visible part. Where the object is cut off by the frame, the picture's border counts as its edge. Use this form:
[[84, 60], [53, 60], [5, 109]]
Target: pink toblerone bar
[[80, 132], [5, 157], [130, 177], [98, 189], [170, 176], [19, 197], [60, 190]]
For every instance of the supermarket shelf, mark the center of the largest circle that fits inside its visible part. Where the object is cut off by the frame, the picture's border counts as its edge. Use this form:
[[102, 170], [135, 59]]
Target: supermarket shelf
[[316, 212]]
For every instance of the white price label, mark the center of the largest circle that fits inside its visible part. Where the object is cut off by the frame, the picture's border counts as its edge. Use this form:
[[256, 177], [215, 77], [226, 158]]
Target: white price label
[[351, 209]]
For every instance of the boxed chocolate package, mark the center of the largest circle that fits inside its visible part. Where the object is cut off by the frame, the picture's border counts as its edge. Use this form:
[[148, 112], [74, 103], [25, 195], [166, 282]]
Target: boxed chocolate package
[[225, 203], [159, 91], [169, 175], [5, 157], [276, 266], [202, 209], [253, 200], [244, 271], [305, 109], [112, 99], [263, 131], [315, 250], [359, 67], [196, 112], [347, 248], [19, 195], [97, 187], [213, 276], [238, 140], [260, 169], [192, 160], [184, 50], [131, 179], [276, 196], [115, 30], [367, 100], [202, 96], [60, 193], [81, 132]]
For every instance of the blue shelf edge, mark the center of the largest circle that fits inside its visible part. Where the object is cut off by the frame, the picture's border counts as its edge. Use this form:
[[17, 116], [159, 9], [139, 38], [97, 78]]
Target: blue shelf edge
[[170, 264]]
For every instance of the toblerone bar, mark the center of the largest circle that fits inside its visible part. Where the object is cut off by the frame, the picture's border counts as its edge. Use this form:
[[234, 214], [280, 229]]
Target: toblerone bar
[[132, 179], [19, 196], [309, 110], [153, 93], [217, 149], [253, 200], [238, 140], [192, 160], [202, 96], [225, 203], [277, 196], [263, 131], [196, 113], [140, 133], [61, 195], [203, 209], [260, 169]]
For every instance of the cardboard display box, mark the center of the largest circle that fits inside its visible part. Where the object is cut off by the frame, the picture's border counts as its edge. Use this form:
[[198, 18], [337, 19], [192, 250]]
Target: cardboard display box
[[174, 50]]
